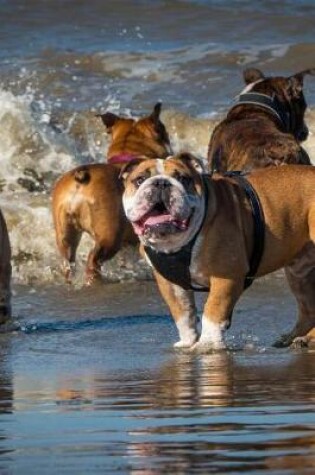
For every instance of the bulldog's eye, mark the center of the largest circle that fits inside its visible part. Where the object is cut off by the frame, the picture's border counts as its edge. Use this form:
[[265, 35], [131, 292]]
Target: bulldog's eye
[[139, 180], [185, 180]]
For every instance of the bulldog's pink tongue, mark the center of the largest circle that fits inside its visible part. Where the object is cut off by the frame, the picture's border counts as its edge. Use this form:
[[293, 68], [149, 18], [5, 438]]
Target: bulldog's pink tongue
[[156, 219]]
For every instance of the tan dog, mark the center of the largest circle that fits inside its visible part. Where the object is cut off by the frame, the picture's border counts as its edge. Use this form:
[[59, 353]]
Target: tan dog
[[88, 198], [5, 272], [264, 127], [198, 232]]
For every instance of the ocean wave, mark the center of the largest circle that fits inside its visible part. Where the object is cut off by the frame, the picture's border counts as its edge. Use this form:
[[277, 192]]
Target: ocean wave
[[37, 146]]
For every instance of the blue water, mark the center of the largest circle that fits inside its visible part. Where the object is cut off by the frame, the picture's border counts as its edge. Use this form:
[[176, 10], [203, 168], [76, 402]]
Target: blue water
[[89, 380], [189, 54], [94, 390]]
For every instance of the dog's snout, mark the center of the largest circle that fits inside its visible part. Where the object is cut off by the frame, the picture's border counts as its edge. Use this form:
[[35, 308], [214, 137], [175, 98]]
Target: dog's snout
[[162, 183]]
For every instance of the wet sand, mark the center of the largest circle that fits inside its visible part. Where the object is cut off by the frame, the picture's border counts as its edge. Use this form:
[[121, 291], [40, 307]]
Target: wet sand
[[91, 384]]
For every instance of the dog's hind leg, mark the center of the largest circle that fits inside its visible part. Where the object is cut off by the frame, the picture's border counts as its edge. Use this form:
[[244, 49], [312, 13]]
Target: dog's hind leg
[[68, 238], [301, 278], [101, 252]]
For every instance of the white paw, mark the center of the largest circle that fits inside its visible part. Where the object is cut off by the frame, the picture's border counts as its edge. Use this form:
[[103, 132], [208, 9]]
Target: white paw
[[184, 343], [188, 333], [207, 346]]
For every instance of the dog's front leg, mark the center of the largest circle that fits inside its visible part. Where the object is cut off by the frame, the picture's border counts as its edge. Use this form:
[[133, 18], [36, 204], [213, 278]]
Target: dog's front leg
[[183, 309], [217, 313]]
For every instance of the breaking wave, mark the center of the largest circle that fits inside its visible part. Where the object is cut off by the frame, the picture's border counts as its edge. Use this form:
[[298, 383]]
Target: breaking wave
[[36, 147]]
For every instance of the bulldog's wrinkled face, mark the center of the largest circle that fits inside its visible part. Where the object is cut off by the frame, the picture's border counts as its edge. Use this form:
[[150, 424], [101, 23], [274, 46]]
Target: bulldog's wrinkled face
[[164, 200]]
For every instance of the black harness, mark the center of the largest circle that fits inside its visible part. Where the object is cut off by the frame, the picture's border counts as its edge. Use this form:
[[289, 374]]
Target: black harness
[[175, 266], [272, 104]]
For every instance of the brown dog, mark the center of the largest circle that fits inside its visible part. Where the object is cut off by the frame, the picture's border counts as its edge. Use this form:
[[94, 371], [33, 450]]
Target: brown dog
[[88, 198], [5, 272], [201, 233], [264, 127]]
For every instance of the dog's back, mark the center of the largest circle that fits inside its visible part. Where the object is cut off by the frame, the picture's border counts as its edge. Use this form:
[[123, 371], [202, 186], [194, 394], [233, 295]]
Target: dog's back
[[264, 128], [88, 198], [252, 143]]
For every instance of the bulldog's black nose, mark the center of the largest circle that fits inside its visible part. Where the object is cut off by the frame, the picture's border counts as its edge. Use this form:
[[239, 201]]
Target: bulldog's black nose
[[162, 183]]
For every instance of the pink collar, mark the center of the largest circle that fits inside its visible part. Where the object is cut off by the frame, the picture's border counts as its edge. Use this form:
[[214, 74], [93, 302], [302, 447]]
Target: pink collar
[[121, 158]]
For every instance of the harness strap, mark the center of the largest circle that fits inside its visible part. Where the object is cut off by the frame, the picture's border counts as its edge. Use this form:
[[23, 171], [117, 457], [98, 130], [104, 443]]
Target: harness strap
[[272, 104], [259, 225], [175, 266]]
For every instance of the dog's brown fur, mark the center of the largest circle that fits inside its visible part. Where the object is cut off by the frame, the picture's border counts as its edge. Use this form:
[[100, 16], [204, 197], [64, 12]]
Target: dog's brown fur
[[88, 198], [5, 272], [224, 244], [252, 137]]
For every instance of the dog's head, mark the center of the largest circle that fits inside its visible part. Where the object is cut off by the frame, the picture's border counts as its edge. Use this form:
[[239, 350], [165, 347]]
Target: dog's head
[[288, 92], [164, 200], [145, 136]]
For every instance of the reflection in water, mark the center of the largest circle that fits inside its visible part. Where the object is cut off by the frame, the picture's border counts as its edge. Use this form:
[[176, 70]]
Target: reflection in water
[[6, 390], [217, 412], [234, 411], [90, 392], [6, 395]]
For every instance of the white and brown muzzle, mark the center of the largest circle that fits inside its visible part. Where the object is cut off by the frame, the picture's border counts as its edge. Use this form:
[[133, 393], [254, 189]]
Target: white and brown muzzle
[[164, 200]]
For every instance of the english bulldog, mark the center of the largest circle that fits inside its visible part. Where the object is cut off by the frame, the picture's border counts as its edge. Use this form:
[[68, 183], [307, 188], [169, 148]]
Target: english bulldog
[[88, 198], [265, 125], [200, 233], [5, 272]]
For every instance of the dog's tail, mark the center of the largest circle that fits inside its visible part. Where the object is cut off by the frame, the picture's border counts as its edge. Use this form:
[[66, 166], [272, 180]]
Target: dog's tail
[[82, 175]]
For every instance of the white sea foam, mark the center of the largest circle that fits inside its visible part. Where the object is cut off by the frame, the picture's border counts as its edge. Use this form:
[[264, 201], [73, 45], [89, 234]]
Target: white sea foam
[[25, 141], [28, 141]]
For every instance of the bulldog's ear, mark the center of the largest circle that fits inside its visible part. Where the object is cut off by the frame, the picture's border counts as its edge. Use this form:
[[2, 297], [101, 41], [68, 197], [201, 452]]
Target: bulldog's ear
[[252, 75], [294, 86], [305, 72], [298, 78], [196, 163], [127, 169], [109, 119], [155, 115]]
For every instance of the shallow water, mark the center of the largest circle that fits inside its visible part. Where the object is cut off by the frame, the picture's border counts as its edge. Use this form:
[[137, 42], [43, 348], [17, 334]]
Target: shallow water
[[91, 384]]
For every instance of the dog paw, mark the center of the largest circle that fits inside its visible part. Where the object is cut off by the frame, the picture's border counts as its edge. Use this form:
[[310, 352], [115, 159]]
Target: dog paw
[[69, 271], [183, 344], [10, 326], [89, 281], [92, 277], [284, 341], [300, 342], [208, 346]]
